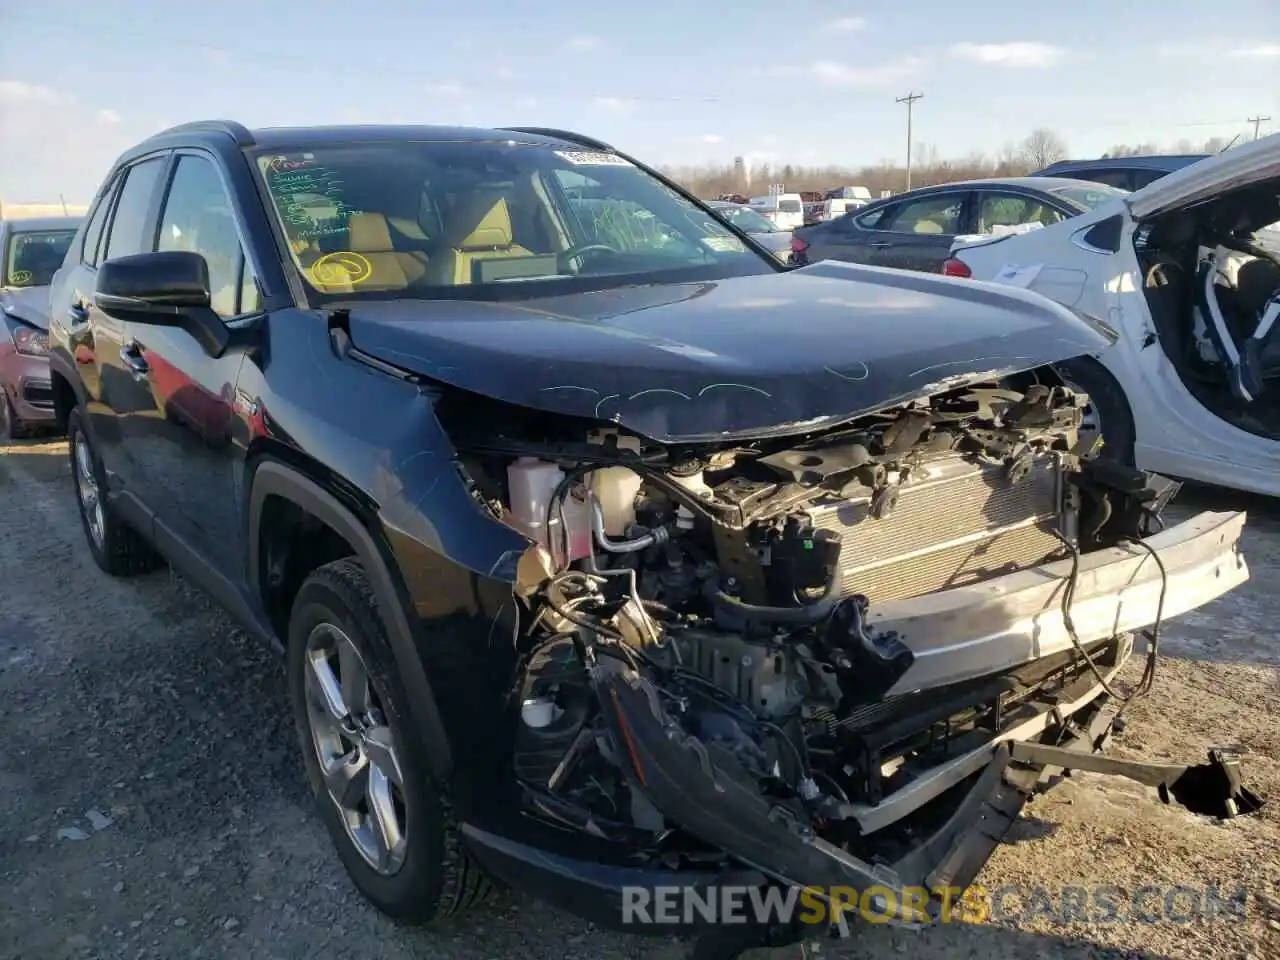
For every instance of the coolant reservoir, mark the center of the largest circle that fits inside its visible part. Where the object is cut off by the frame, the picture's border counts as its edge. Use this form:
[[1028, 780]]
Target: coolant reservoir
[[531, 483], [695, 484], [616, 489]]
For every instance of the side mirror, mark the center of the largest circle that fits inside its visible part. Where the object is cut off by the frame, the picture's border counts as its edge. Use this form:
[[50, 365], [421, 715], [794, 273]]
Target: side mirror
[[170, 289]]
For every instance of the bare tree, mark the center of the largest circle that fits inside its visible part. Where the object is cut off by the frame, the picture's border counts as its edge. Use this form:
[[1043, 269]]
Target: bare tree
[[1043, 147]]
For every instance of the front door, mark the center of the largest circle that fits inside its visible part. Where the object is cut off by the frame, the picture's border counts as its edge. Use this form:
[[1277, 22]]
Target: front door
[[185, 441], [123, 396], [917, 234]]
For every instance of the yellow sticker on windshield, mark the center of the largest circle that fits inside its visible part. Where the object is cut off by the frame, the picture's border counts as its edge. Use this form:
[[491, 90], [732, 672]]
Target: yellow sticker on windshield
[[20, 276], [341, 268]]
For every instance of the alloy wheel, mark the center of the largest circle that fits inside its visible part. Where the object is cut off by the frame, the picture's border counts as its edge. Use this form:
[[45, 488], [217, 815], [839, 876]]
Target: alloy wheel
[[356, 749], [87, 488]]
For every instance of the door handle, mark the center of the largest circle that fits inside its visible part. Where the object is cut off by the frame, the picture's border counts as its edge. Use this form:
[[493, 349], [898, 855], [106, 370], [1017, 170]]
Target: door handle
[[879, 244], [134, 361]]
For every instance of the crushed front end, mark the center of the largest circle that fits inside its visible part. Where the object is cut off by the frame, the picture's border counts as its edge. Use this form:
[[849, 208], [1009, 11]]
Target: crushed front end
[[807, 658]]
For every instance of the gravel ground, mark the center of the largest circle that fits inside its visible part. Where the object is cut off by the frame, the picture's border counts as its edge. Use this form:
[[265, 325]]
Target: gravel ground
[[152, 805]]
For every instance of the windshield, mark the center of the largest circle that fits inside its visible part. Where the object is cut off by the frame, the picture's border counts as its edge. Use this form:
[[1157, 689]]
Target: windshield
[[747, 220], [1094, 195], [34, 257], [488, 220]]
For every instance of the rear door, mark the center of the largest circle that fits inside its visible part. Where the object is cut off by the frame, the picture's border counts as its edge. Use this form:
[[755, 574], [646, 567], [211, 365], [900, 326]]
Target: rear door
[[123, 398], [916, 234], [1002, 208]]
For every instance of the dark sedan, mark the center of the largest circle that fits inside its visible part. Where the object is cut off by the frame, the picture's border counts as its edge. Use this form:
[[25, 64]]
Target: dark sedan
[[914, 230]]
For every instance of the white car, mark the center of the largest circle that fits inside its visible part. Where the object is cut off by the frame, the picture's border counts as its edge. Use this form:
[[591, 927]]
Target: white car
[[1187, 272]]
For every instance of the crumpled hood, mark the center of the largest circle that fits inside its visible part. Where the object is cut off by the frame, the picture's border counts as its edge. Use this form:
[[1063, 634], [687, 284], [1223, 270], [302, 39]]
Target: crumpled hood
[[749, 356], [29, 304]]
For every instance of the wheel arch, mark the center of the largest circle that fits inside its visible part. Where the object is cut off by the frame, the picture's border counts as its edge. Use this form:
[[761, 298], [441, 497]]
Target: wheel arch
[[272, 478]]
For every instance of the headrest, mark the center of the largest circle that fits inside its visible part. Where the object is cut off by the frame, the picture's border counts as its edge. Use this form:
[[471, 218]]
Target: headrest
[[368, 233], [479, 221]]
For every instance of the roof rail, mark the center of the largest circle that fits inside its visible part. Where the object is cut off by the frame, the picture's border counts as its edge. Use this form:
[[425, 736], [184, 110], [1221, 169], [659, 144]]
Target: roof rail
[[236, 131], [562, 135]]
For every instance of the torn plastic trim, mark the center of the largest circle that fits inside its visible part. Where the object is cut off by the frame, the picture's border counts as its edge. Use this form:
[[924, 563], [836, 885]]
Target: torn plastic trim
[[933, 783], [1004, 622], [680, 776]]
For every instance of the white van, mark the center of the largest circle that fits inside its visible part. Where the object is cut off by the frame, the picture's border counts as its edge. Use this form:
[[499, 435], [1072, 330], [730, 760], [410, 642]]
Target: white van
[[786, 210]]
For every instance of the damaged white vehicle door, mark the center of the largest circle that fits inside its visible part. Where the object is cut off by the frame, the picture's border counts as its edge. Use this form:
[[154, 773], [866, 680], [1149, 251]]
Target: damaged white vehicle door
[[1092, 265]]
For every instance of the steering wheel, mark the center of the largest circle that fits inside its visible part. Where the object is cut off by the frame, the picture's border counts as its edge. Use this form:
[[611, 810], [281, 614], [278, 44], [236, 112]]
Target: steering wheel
[[574, 253]]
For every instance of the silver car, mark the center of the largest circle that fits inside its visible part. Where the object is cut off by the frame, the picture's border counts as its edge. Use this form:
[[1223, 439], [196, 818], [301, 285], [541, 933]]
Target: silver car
[[763, 230]]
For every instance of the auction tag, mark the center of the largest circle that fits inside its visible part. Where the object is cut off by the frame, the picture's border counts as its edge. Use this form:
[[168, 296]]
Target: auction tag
[[593, 158]]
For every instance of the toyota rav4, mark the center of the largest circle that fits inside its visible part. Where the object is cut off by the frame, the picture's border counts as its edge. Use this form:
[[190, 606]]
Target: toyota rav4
[[604, 551]]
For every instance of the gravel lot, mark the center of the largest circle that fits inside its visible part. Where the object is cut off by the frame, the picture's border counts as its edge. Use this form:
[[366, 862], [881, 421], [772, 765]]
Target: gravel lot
[[151, 803]]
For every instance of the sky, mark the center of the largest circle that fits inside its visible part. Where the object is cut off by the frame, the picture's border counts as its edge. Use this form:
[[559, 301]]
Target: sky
[[669, 81]]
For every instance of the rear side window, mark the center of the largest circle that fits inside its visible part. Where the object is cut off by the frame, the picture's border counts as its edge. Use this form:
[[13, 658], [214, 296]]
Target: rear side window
[[1009, 210], [789, 206], [93, 232], [928, 215], [130, 221]]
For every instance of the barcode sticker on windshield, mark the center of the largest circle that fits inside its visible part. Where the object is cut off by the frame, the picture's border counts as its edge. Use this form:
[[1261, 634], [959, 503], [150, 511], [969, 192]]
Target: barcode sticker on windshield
[[591, 158]]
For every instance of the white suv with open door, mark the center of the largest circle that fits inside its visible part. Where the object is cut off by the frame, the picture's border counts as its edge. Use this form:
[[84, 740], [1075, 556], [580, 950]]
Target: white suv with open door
[[1187, 270]]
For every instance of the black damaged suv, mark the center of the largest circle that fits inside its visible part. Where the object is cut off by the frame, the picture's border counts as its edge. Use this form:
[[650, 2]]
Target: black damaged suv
[[603, 550]]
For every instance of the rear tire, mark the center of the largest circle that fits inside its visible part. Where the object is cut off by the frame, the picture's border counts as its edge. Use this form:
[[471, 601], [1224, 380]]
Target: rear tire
[[430, 876], [1108, 406], [116, 547]]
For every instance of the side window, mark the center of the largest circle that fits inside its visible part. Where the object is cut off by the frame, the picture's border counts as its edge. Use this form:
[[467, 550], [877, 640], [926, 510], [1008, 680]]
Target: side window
[[129, 224], [1007, 210], [929, 215], [1140, 178], [93, 232], [876, 218], [197, 218], [1112, 178]]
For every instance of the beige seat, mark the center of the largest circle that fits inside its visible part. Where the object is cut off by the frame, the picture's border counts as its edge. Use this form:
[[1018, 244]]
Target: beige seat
[[369, 236], [478, 228]]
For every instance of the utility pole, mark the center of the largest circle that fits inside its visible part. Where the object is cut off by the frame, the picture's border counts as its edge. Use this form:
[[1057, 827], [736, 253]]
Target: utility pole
[[910, 100], [1257, 122]]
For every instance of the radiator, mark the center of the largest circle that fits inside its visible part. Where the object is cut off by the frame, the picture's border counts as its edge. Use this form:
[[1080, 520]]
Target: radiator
[[955, 523]]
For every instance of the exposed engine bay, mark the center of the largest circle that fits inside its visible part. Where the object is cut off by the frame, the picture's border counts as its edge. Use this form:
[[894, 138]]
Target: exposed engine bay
[[731, 589]]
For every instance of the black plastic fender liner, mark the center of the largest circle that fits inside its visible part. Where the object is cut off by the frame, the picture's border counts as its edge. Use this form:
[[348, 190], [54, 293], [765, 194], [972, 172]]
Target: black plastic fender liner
[[272, 477], [716, 803]]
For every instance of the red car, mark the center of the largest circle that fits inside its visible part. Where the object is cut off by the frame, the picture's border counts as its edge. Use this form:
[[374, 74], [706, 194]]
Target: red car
[[32, 252]]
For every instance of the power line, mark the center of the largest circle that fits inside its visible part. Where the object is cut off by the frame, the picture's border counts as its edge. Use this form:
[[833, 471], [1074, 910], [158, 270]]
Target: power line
[[1257, 121], [909, 100]]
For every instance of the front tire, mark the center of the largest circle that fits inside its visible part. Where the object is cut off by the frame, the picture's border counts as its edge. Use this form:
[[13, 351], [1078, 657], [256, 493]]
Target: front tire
[[11, 428], [116, 547], [1109, 412], [365, 763]]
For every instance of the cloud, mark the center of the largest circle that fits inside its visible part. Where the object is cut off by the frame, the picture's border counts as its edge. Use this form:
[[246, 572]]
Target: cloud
[[526, 101], [54, 143], [611, 104], [449, 88], [583, 43], [217, 58], [711, 138], [1263, 50], [1018, 54], [834, 74], [847, 24], [505, 73]]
